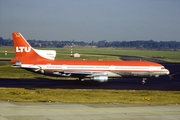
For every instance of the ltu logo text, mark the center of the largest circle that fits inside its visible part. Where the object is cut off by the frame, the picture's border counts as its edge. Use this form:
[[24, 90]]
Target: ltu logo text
[[23, 49]]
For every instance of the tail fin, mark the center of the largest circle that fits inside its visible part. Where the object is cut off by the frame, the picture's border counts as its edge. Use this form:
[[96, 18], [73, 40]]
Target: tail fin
[[21, 46], [25, 53]]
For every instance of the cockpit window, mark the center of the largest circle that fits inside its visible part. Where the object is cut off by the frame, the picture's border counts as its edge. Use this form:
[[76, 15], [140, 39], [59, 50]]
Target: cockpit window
[[162, 67]]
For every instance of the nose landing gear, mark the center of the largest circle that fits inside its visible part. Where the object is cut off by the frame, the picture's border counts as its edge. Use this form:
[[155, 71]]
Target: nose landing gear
[[144, 81]]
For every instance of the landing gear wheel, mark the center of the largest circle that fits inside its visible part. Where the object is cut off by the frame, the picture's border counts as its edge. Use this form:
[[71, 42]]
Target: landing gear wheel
[[81, 79], [144, 81]]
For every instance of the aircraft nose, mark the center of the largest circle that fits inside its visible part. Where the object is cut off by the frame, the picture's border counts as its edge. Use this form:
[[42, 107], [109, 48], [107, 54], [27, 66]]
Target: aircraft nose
[[167, 72]]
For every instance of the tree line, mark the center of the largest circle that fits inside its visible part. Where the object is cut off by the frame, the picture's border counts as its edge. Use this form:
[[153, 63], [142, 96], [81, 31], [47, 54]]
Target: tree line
[[139, 44]]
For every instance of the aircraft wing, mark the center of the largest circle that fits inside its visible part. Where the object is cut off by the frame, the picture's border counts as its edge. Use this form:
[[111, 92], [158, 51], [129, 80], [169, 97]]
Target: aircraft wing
[[79, 72], [75, 73], [100, 76]]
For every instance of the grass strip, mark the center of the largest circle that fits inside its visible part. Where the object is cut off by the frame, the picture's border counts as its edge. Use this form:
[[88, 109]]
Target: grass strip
[[106, 53], [90, 96]]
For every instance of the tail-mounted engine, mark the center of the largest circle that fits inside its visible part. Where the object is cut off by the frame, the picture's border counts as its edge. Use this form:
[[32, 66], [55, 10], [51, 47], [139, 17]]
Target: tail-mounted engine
[[17, 64]]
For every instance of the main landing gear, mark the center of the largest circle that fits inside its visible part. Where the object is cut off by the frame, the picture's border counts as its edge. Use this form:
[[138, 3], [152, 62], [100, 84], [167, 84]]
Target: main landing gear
[[144, 81], [81, 79]]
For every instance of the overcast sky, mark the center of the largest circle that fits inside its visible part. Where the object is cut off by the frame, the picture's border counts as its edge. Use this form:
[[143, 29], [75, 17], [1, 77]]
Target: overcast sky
[[87, 20]]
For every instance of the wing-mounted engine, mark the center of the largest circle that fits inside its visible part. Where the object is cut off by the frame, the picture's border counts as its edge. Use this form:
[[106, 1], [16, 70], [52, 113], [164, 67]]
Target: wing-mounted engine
[[100, 78], [48, 54]]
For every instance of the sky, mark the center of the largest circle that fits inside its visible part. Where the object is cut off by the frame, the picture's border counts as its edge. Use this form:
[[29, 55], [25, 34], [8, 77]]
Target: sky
[[91, 20]]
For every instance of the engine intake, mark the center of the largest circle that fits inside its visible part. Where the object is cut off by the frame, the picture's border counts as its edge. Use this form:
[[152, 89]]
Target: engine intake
[[100, 78]]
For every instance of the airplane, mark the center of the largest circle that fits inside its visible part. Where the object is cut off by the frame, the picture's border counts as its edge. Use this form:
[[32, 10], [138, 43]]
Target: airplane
[[43, 62]]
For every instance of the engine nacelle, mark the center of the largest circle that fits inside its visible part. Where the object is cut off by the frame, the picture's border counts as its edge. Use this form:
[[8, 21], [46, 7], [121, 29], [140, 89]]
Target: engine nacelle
[[17, 64], [100, 78]]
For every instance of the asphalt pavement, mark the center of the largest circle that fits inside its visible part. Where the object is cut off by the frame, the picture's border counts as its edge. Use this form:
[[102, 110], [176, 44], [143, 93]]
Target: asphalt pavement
[[64, 111]]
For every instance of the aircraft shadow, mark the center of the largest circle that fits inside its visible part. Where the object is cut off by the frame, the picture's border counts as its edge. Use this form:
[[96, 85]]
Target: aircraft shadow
[[161, 83]]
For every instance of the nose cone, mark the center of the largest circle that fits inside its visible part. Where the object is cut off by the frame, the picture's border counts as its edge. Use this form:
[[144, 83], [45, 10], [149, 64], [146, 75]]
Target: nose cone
[[166, 72]]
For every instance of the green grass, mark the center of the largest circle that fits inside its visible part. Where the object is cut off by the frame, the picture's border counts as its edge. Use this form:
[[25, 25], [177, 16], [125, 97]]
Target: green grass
[[6, 71], [10, 52], [103, 53], [171, 56], [90, 96], [87, 96]]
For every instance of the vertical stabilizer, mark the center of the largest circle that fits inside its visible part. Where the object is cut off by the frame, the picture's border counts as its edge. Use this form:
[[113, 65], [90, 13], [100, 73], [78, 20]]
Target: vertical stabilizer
[[26, 54], [21, 46]]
